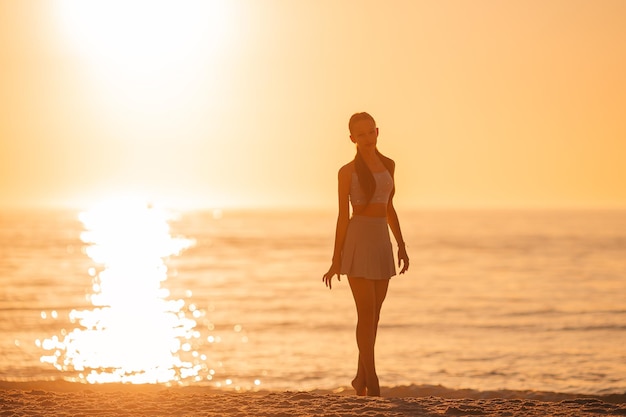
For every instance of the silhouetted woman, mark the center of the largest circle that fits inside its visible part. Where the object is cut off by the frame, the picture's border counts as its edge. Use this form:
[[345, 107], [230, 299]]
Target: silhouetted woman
[[363, 248]]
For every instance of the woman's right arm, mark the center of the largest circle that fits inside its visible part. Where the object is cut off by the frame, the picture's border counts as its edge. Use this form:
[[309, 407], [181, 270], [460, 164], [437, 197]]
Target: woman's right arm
[[343, 218]]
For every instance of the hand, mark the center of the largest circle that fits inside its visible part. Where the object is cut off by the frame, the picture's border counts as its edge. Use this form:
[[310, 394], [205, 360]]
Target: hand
[[334, 269], [403, 259]]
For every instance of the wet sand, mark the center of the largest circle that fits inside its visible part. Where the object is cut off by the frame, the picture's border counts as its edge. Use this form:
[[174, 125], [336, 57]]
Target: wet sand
[[74, 400]]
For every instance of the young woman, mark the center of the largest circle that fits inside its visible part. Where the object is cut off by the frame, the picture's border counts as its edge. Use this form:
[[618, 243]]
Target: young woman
[[363, 248]]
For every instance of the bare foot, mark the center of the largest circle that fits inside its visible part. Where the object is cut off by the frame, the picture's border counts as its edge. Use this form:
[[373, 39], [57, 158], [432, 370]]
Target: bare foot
[[359, 387], [373, 389], [373, 393]]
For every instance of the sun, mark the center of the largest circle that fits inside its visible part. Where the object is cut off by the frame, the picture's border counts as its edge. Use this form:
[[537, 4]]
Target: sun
[[144, 53], [142, 32], [156, 94]]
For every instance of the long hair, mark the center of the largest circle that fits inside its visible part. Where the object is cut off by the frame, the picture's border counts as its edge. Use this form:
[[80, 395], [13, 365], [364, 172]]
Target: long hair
[[365, 176]]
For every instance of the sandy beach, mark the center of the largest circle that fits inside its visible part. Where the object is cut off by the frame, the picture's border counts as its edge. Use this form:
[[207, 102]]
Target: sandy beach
[[74, 400]]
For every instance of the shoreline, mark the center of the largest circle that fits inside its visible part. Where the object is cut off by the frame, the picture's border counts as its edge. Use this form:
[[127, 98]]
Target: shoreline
[[401, 391], [62, 398]]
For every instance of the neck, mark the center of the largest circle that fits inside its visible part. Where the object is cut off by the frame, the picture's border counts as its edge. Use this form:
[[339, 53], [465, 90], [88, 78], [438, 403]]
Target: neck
[[368, 153]]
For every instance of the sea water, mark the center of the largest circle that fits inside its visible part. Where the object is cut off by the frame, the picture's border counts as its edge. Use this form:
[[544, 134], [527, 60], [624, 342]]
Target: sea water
[[521, 300]]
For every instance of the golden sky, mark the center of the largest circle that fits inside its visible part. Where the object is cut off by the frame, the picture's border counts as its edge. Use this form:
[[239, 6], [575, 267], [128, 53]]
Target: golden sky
[[246, 102]]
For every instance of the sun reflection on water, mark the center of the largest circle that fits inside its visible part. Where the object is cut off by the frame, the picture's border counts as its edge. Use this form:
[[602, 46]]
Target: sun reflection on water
[[134, 333]]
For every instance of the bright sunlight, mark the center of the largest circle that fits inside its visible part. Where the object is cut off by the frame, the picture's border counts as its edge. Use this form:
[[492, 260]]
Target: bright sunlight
[[144, 53], [134, 333], [143, 32]]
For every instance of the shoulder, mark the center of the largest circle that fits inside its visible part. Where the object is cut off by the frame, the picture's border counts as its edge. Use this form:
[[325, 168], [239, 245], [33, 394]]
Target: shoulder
[[387, 159], [389, 163], [346, 170], [345, 176]]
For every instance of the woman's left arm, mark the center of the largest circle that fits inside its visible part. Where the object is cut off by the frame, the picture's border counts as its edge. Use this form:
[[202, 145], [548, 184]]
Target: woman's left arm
[[394, 224]]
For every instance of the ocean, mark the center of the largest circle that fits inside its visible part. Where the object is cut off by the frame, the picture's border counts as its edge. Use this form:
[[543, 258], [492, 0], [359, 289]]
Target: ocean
[[493, 300]]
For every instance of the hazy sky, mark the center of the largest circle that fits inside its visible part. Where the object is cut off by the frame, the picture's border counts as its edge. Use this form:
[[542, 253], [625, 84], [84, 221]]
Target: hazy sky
[[246, 102]]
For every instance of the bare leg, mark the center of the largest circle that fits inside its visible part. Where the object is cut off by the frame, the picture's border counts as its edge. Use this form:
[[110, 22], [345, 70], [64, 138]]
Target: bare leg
[[368, 297]]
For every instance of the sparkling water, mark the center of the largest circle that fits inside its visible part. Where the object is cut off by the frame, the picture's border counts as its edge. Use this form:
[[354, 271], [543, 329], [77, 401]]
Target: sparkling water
[[531, 300]]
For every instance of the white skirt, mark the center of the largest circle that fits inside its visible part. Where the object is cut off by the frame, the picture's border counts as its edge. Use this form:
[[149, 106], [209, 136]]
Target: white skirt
[[367, 251]]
